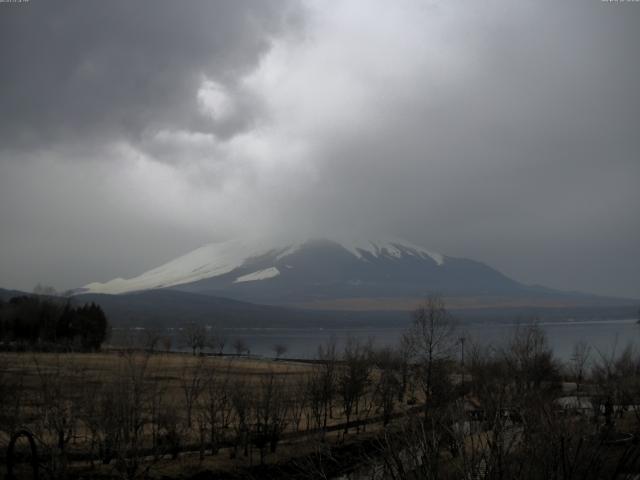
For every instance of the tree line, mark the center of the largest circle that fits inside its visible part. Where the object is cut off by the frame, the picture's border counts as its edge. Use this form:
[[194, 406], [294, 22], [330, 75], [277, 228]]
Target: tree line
[[51, 323]]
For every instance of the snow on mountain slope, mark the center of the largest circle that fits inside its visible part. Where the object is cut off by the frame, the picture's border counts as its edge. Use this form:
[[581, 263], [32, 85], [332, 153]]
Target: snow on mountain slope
[[259, 275], [217, 259], [208, 261], [391, 247]]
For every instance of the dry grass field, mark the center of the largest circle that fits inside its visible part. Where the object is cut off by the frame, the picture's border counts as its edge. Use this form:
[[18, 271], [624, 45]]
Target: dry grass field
[[132, 415], [174, 412], [170, 367]]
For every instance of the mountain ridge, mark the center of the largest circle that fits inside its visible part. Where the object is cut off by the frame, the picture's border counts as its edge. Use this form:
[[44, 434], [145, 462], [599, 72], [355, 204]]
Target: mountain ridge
[[219, 258], [313, 269], [329, 274]]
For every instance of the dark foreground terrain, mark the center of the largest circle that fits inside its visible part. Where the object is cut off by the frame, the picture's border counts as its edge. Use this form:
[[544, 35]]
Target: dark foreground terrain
[[435, 407]]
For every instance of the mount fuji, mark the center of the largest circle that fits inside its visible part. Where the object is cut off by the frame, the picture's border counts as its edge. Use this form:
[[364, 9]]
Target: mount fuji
[[320, 273]]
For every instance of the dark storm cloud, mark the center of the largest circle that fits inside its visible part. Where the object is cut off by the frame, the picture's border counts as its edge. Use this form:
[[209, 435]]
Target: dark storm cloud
[[508, 134], [501, 131], [94, 97], [78, 68]]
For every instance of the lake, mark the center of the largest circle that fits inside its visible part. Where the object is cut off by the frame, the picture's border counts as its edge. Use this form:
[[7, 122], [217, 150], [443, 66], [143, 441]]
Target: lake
[[603, 336]]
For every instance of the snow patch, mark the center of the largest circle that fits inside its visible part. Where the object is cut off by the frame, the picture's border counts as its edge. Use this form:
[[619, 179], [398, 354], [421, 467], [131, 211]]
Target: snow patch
[[208, 261], [394, 248], [288, 251], [259, 275]]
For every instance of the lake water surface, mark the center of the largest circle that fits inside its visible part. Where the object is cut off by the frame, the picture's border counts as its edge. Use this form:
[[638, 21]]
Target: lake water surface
[[604, 336]]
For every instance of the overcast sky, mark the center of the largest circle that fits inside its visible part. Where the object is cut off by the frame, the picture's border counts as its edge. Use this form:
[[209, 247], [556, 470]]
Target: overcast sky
[[132, 132]]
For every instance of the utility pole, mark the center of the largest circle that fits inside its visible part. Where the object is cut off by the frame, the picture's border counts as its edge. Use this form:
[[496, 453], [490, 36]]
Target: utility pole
[[461, 340]]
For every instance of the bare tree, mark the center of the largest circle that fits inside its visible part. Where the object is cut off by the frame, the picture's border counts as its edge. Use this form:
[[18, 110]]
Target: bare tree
[[354, 377], [298, 401], [521, 434], [279, 349], [325, 379], [401, 361], [240, 346], [216, 405], [270, 413], [431, 340], [217, 341], [316, 399], [151, 339], [616, 377], [195, 337], [413, 449], [578, 364], [191, 384], [12, 392], [124, 409], [530, 358], [57, 407], [130, 400], [388, 384], [241, 400]]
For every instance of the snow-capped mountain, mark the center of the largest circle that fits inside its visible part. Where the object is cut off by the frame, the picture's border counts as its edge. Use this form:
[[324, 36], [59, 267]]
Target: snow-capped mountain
[[317, 270]]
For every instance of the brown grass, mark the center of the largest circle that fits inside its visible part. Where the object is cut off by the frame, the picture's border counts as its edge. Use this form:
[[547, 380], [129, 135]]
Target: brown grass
[[87, 372]]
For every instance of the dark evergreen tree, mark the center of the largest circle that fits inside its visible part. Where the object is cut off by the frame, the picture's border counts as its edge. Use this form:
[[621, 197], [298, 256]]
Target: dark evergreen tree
[[37, 320]]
